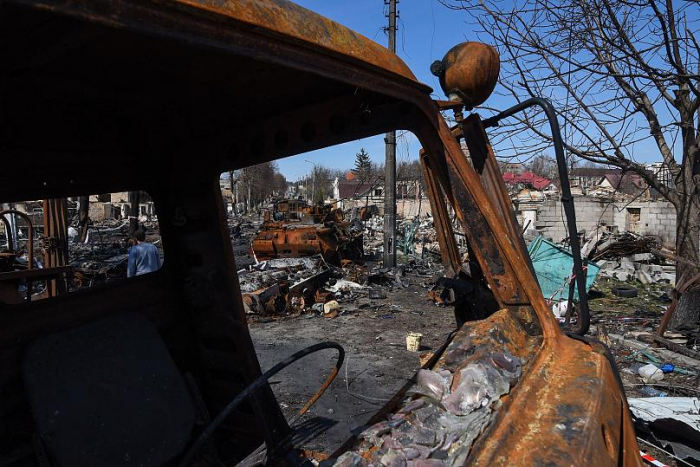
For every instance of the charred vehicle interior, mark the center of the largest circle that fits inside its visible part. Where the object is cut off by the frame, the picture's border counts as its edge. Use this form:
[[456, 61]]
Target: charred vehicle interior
[[160, 369]]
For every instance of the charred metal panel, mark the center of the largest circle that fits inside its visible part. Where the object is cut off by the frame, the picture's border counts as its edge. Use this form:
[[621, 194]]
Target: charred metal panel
[[446, 238], [195, 233]]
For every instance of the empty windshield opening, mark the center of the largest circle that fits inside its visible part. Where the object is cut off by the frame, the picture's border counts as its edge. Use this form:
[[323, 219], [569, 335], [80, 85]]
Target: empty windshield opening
[[307, 235]]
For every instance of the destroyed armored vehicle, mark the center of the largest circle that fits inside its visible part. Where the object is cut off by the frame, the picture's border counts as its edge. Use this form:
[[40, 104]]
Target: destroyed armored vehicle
[[315, 230], [98, 96], [287, 209]]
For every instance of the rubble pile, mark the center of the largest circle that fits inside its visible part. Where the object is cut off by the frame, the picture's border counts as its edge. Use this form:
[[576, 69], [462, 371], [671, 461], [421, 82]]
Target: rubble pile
[[653, 379], [242, 231], [612, 246], [300, 283], [414, 237], [284, 286], [627, 257], [289, 287], [104, 254], [418, 237], [639, 267], [373, 236]]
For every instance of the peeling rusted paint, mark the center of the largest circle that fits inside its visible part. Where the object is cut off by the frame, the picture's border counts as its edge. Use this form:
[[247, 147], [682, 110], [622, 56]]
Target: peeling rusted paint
[[290, 20]]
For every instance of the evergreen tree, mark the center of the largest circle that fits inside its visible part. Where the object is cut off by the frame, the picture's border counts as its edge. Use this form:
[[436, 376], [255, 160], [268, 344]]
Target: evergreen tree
[[363, 165]]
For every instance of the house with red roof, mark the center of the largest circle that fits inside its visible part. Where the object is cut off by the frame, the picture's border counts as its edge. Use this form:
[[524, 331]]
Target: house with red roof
[[518, 181]]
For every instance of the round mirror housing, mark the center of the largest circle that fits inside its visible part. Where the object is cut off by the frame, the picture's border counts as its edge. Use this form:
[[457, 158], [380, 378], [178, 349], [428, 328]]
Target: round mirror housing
[[468, 73]]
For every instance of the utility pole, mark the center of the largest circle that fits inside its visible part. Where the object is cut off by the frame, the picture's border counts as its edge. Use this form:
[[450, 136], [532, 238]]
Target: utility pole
[[390, 165], [135, 210], [313, 183]]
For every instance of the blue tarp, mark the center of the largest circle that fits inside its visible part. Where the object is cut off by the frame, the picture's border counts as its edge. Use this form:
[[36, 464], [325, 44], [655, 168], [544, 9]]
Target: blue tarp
[[553, 266]]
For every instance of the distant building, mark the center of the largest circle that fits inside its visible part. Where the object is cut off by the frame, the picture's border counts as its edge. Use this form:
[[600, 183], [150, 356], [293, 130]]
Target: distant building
[[662, 172], [628, 183], [352, 188], [587, 178], [350, 193], [528, 180]]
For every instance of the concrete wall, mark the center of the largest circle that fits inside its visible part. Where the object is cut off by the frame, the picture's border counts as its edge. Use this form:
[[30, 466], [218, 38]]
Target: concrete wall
[[100, 211], [119, 197], [410, 208], [405, 208], [590, 212], [656, 217]]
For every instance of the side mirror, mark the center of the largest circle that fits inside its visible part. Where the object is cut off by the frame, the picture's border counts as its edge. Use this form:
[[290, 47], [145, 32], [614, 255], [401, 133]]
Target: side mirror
[[468, 73]]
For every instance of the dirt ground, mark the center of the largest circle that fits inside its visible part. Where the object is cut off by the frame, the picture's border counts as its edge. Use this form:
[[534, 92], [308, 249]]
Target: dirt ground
[[377, 364]]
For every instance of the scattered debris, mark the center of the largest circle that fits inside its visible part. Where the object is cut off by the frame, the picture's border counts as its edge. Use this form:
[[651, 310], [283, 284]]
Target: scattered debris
[[614, 246], [650, 373], [672, 422], [628, 257], [627, 269]]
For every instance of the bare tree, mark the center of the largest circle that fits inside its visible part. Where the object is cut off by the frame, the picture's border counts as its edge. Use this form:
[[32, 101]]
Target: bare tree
[[321, 179], [624, 75], [257, 183], [543, 166]]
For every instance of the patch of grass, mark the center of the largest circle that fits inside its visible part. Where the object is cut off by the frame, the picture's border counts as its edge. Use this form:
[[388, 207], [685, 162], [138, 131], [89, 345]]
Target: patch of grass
[[646, 302]]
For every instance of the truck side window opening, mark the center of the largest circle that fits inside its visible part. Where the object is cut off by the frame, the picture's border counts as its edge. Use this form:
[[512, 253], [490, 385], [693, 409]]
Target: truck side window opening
[[91, 241]]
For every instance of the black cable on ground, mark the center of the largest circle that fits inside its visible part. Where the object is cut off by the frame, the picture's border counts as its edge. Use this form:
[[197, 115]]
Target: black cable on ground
[[255, 385]]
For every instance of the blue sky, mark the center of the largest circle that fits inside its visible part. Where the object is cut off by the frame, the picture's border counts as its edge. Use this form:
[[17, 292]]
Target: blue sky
[[426, 30]]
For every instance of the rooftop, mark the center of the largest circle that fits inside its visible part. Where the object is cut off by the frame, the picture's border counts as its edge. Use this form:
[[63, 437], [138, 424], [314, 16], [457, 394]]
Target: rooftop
[[527, 178]]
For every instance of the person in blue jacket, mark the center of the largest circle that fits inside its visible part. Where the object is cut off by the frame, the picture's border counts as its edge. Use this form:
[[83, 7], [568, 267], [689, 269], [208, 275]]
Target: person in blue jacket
[[143, 256]]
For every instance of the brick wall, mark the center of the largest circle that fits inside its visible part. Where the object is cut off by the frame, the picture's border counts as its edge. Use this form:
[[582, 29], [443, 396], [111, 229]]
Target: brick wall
[[655, 217]]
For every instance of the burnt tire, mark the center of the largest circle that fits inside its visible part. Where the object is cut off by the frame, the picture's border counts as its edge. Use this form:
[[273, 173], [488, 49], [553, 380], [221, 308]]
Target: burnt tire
[[625, 291]]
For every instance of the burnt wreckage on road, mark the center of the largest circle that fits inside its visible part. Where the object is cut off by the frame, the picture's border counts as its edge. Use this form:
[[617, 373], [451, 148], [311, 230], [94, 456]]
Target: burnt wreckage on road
[[160, 369], [315, 230]]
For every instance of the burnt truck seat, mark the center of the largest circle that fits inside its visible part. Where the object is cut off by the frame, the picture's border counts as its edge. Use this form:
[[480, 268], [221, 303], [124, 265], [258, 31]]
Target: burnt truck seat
[[107, 394]]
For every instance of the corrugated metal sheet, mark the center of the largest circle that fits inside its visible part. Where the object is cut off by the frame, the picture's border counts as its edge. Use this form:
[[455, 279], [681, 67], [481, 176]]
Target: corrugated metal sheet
[[553, 266]]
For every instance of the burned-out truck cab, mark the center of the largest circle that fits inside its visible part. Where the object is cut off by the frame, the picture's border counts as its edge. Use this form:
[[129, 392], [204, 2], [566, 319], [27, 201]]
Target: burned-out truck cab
[[98, 96]]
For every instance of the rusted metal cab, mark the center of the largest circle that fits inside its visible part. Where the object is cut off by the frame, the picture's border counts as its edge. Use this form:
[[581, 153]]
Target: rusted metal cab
[[99, 96]]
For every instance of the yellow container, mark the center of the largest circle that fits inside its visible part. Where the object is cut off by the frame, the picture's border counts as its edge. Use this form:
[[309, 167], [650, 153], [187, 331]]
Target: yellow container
[[413, 341]]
